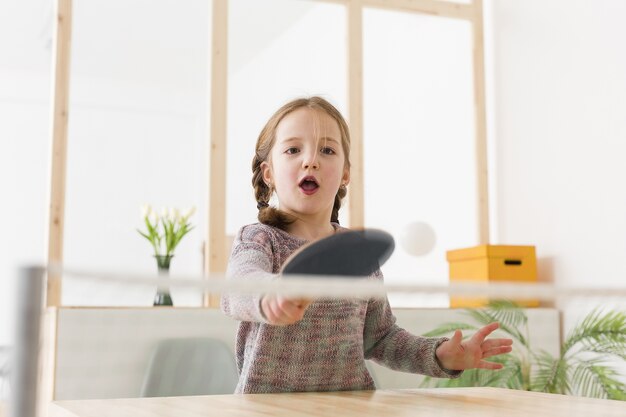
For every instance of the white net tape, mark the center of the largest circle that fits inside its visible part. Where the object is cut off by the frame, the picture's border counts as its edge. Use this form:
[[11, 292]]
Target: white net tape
[[342, 287]]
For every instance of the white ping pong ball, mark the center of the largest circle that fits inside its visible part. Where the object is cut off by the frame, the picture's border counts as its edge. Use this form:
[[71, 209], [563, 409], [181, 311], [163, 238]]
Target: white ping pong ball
[[418, 238]]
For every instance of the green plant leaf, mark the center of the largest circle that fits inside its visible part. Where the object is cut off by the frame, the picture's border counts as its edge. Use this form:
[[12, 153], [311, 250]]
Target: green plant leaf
[[152, 230], [167, 231], [180, 233], [169, 236], [611, 344], [581, 368], [145, 235], [486, 316], [508, 312], [550, 375], [591, 378], [510, 376], [599, 332]]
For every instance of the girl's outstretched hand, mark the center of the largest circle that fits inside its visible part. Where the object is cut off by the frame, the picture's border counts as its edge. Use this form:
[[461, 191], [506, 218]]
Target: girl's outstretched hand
[[456, 354], [281, 311]]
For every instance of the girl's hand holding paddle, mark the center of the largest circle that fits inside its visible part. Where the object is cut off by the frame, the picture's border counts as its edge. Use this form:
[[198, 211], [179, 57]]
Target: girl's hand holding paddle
[[282, 311]]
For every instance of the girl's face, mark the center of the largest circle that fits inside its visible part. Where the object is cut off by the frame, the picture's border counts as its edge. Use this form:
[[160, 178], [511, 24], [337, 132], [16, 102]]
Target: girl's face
[[306, 164]]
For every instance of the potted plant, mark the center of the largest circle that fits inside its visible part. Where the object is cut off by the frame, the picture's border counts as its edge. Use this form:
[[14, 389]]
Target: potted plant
[[583, 366], [164, 232]]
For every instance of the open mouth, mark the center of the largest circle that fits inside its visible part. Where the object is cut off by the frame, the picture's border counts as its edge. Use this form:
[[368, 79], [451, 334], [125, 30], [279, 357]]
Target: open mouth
[[309, 185]]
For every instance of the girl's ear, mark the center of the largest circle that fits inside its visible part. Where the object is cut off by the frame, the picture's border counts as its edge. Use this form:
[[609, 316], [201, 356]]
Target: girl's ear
[[345, 179], [266, 169]]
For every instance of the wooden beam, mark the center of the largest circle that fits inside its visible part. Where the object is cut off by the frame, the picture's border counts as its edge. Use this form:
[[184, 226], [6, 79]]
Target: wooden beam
[[432, 7], [482, 186], [355, 113], [48, 354], [60, 113], [216, 254]]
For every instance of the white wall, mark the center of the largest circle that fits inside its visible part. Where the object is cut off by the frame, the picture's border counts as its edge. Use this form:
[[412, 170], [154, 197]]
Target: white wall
[[559, 117], [24, 115], [559, 106]]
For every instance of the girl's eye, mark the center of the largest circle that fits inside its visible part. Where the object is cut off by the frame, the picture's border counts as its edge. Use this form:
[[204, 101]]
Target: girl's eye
[[292, 150], [327, 151]]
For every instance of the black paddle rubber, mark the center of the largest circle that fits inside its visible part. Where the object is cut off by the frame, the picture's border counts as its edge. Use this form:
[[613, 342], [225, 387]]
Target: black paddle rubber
[[354, 253]]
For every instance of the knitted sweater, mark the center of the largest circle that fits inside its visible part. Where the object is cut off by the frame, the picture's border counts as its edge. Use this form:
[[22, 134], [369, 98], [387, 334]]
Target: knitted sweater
[[324, 351]]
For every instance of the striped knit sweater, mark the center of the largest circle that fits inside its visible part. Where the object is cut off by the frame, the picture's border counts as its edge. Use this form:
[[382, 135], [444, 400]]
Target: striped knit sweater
[[325, 351]]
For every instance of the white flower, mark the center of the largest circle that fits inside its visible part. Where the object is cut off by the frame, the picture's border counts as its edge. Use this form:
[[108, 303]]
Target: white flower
[[146, 209], [189, 212]]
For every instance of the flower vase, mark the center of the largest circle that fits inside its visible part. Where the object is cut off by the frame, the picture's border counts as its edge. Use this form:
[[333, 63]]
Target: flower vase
[[163, 297]]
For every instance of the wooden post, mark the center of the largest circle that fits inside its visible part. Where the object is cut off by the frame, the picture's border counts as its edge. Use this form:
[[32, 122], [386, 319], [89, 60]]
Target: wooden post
[[216, 249], [355, 110], [60, 113], [482, 185]]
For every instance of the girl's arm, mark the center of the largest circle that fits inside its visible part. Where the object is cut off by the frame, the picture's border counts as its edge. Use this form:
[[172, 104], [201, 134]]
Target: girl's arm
[[391, 346], [251, 259]]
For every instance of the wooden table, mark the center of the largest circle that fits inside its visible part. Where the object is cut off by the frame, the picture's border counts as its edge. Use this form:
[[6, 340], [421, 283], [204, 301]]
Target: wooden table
[[457, 402]]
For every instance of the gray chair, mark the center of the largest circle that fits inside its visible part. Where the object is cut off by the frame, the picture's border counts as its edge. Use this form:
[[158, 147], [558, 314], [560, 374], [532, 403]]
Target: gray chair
[[195, 366]]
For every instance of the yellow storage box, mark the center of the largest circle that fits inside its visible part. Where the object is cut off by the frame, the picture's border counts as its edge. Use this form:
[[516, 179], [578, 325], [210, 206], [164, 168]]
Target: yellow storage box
[[492, 263]]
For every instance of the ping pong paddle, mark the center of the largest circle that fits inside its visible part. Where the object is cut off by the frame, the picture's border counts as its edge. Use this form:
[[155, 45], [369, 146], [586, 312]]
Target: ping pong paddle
[[353, 253]]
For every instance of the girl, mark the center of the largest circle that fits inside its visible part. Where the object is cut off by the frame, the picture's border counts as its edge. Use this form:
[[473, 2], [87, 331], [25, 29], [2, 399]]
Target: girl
[[302, 155]]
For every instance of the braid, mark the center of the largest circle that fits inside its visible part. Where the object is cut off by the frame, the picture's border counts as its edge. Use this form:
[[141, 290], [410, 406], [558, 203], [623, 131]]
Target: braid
[[341, 193], [262, 192]]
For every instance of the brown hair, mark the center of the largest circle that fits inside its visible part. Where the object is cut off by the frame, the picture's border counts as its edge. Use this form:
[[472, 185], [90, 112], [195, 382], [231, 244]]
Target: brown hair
[[262, 192]]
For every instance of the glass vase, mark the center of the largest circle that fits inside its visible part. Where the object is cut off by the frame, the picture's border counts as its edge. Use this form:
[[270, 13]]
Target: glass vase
[[163, 297]]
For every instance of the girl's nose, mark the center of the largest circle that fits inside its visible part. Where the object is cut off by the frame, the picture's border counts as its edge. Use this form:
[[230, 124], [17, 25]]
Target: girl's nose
[[311, 162]]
